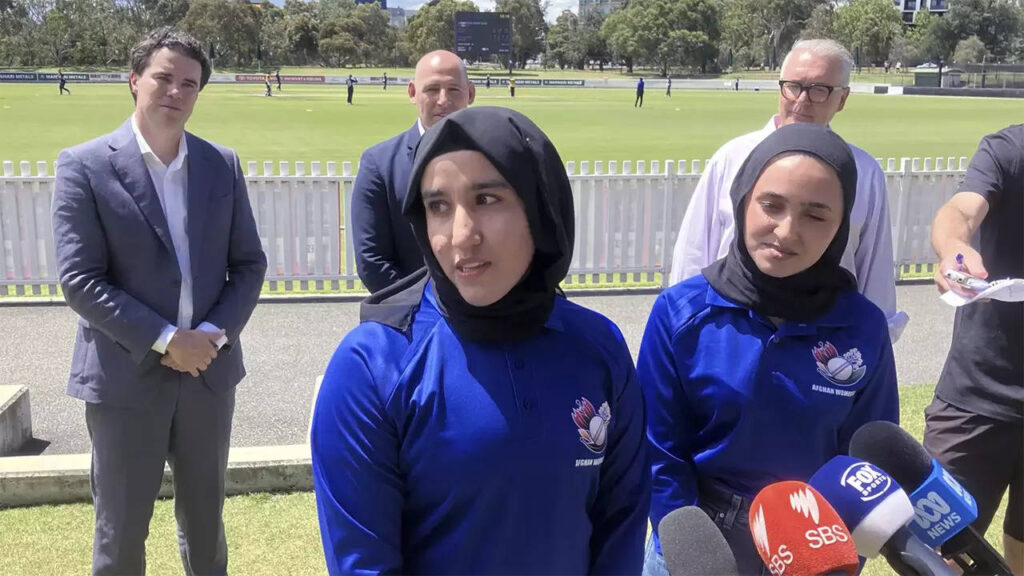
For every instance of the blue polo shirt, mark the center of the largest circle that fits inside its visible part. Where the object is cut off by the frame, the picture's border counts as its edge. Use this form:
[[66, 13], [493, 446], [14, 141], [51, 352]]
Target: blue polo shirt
[[434, 455], [733, 399]]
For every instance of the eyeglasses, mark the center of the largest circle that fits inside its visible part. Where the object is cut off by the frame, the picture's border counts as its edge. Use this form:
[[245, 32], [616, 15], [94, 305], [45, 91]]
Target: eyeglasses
[[816, 93]]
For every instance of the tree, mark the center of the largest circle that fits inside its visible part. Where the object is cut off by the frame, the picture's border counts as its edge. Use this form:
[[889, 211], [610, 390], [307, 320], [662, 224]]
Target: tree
[[766, 26], [528, 27], [142, 16], [273, 33], [15, 27], [334, 9], [820, 24], [337, 47], [970, 51], [932, 36], [618, 32], [665, 33], [360, 36], [303, 35], [997, 23], [904, 51], [870, 24], [564, 41], [230, 29], [592, 42], [433, 27], [56, 35]]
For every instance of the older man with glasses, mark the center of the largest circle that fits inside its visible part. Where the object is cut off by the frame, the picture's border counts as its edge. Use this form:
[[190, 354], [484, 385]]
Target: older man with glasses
[[813, 87]]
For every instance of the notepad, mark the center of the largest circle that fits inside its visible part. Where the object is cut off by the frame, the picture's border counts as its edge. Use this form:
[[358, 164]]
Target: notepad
[[1007, 290]]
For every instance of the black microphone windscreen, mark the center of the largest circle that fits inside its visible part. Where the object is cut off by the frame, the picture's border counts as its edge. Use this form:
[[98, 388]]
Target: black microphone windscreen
[[894, 450], [693, 545]]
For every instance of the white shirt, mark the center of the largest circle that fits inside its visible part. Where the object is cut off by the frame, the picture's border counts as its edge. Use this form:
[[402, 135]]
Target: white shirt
[[171, 183], [709, 227]]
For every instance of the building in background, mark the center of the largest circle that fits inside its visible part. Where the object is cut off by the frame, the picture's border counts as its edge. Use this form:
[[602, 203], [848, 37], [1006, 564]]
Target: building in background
[[605, 7], [399, 17], [908, 8]]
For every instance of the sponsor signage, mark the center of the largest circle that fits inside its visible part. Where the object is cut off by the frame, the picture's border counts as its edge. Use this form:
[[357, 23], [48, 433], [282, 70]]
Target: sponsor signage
[[273, 78]]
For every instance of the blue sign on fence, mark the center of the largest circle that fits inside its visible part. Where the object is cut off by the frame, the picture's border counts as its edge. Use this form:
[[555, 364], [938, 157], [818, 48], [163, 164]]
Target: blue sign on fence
[[19, 77]]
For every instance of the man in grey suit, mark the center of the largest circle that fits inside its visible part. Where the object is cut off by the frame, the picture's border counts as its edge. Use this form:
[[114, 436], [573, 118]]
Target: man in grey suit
[[158, 254]]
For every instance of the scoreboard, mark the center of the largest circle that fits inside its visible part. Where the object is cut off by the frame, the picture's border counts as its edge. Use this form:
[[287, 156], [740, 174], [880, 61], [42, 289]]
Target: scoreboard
[[481, 34]]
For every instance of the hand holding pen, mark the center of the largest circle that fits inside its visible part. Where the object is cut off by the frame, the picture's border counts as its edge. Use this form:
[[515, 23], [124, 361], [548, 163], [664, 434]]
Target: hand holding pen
[[963, 272]]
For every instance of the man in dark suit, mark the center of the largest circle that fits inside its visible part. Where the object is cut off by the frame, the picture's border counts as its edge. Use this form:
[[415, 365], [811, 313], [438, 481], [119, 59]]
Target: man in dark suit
[[159, 255], [385, 248]]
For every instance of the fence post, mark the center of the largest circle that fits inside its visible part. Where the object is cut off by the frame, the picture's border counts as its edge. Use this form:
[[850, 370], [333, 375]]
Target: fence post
[[666, 217], [901, 214]]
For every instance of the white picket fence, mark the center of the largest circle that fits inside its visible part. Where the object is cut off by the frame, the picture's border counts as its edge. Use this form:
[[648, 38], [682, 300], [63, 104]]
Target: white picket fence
[[627, 219]]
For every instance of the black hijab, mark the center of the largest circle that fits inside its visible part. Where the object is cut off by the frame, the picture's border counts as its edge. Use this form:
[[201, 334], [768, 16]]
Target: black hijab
[[812, 292], [527, 159]]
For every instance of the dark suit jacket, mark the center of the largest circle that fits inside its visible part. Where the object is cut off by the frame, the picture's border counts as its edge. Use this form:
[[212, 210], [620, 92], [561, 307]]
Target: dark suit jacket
[[119, 272], [385, 248]]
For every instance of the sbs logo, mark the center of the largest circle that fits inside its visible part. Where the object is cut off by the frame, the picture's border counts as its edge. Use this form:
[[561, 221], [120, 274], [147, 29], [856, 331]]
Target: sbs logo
[[804, 502], [760, 532]]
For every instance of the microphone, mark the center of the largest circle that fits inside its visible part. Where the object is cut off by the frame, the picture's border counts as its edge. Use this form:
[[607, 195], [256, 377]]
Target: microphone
[[797, 532], [943, 509], [693, 545], [876, 510]]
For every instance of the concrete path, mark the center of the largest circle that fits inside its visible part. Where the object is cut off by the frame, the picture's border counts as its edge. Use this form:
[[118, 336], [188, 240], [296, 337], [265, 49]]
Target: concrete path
[[288, 344]]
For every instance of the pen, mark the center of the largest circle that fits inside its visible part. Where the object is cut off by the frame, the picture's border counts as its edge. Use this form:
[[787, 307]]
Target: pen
[[960, 262]]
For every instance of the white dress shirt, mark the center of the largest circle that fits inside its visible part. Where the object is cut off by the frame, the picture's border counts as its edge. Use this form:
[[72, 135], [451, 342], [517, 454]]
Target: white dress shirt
[[709, 227], [171, 183]]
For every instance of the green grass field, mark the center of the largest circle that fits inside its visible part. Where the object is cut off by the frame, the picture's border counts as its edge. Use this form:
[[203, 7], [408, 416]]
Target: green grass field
[[312, 123], [273, 535]]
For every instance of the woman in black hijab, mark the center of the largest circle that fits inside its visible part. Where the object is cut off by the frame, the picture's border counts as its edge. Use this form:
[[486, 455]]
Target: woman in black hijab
[[476, 421], [760, 369]]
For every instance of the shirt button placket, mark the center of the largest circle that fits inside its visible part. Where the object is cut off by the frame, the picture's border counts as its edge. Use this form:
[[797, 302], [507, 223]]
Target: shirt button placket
[[527, 404]]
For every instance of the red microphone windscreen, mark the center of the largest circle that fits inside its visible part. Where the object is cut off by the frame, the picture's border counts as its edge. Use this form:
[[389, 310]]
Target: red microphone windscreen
[[798, 533]]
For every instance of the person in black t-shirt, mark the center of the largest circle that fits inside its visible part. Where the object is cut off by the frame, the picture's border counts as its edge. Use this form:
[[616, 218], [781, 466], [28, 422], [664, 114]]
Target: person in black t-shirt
[[975, 424]]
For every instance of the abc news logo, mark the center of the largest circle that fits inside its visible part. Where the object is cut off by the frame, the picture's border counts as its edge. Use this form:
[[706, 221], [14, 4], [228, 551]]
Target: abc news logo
[[933, 514]]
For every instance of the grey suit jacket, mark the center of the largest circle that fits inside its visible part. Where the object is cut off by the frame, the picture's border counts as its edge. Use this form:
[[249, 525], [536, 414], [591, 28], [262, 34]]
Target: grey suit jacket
[[119, 272]]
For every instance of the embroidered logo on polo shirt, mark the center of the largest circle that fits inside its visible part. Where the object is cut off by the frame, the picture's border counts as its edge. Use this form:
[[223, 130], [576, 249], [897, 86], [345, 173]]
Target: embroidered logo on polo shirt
[[845, 370], [592, 425]]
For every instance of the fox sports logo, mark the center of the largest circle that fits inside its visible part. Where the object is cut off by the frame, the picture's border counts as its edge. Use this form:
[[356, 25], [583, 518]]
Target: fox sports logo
[[867, 480]]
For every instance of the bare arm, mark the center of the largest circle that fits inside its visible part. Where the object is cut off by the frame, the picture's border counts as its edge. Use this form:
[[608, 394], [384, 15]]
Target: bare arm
[[952, 229]]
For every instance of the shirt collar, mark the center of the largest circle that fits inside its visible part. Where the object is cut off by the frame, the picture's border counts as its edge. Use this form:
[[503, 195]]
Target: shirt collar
[[147, 151], [553, 322], [419, 124], [773, 124], [838, 316]]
